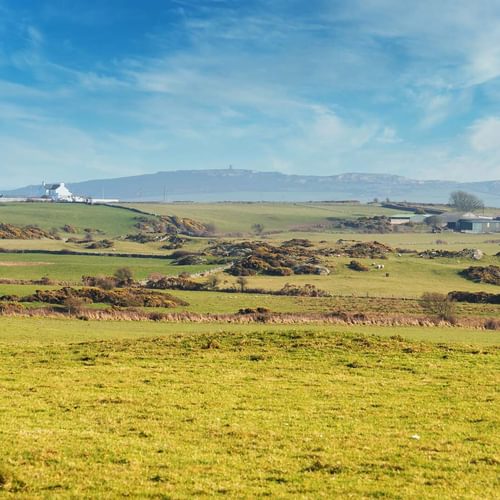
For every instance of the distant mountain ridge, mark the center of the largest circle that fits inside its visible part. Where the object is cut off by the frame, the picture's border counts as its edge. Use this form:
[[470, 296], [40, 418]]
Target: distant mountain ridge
[[250, 185]]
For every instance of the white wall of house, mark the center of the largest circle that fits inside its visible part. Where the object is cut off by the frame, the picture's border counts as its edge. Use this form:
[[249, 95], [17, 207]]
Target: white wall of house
[[61, 193]]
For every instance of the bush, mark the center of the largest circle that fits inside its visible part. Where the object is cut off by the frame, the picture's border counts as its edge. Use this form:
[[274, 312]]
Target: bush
[[100, 244], [279, 271], [131, 297], [174, 283], [258, 310], [124, 276], [213, 281], [190, 260], [74, 305], [475, 297], [242, 282], [103, 282], [302, 291], [487, 274], [492, 324], [357, 266], [439, 306]]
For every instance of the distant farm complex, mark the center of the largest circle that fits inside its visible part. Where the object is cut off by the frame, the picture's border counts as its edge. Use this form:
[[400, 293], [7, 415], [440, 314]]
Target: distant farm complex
[[59, 193]]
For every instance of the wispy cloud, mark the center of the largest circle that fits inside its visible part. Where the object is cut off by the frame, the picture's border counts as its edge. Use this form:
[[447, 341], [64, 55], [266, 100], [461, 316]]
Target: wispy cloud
[[375, 85]]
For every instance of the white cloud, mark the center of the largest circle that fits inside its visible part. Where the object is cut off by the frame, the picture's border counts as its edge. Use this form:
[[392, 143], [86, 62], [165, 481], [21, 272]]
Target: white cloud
[[485, 135], [263, 88], [388, 135]]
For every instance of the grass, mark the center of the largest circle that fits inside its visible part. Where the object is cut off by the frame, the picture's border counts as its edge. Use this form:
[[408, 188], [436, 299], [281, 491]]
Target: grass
[[94, 410], [240, 217], [64, 331], [111, 221], [488, 243], [72, 267], [408, 277], [169, 410]]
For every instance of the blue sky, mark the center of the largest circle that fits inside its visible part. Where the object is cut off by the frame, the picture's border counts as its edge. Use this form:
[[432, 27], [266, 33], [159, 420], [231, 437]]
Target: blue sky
[[105, 88]]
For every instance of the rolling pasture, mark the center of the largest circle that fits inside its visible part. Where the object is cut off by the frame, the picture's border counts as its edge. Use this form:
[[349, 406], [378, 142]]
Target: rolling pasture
[[109, 221], [93, 410], [72, 267], [157, 409], [282, 217]]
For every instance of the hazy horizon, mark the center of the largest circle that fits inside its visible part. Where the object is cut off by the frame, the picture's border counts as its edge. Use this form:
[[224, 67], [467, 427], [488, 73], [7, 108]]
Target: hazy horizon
[[95, 90]]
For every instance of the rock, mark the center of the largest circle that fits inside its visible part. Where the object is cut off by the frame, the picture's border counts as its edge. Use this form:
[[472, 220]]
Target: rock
[[477, 254]]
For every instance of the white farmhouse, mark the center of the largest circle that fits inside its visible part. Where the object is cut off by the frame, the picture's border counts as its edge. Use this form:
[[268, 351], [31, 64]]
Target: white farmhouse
[[58, 192]]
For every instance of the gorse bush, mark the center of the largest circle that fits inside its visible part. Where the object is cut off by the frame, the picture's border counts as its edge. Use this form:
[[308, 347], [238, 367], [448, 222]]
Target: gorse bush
[[131, 297], [357, 266]]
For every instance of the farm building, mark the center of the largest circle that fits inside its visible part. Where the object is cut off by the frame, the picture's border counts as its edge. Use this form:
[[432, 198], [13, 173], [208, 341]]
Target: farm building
[[479, 225], [451, 219], [58, 192], [407, 218]]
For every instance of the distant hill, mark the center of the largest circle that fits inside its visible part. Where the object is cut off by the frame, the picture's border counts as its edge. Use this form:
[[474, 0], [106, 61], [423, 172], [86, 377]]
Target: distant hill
[[249, 185]]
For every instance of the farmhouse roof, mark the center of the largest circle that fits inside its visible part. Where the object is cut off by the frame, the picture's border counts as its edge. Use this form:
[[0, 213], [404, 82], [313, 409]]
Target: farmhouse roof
[[478, 219], [456, 216]]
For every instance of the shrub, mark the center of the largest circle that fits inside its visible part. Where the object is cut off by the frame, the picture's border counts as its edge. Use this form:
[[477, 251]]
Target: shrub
[[179, 254], [475, 297], [73, 304], [106, 282], [302, 291], [174, 283], [258, 228], [357, 266], [242, 282], [439, 306], [11, 308], [131, 297], [492, 324], [124, 276], [100, 244], [68, 228], [279, 271], [213, 281], [258, 310], [103, 282], [190, 260], [487, 274]]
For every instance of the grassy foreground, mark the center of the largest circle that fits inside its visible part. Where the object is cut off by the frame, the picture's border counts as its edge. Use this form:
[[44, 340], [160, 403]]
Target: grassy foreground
[[242, 412]]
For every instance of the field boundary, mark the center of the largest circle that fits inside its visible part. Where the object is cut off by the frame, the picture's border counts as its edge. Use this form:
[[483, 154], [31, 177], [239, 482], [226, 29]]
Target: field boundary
[[80, 253]]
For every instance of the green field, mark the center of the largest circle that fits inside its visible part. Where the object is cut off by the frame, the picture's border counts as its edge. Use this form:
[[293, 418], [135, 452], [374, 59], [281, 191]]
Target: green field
[[240, 217], [409, 276], [154, 409], [99, 410], [65, 331], [111, 221], [72, 267]]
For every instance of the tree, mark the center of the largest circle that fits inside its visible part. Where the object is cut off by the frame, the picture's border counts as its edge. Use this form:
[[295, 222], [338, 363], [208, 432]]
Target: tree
[[124, 276], [258, 228], [438, 305], [465, 202], [74, 305], [213, 281], [242, 282]]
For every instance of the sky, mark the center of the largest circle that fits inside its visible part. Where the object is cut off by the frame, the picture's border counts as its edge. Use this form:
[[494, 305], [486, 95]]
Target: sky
[[106, 88]]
